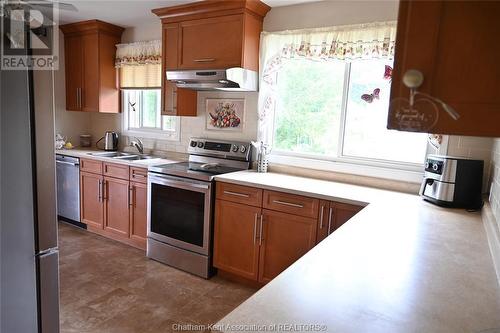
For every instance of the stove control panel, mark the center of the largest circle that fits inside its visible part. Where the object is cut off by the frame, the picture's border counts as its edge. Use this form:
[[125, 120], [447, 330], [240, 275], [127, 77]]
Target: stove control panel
[[219, 148]]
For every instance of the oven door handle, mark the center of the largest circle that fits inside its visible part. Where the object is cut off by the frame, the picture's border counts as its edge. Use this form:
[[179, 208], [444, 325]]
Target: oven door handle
[[176, 182]]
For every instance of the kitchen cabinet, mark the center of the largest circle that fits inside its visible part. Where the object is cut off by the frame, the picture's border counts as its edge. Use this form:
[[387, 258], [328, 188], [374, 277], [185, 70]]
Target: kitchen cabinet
[[91, 77], [91, 201], [116, 206], [236, 248], [207, 35], [285, 238], [450, 42], [259, 233], [332, 216], [113, 201], [257, 243], [138, 213]]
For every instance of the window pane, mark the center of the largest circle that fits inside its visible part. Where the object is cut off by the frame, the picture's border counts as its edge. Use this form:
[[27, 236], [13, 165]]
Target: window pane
[[309, 106], [168, 123], [132, 107], [366, 134], [150, 110]]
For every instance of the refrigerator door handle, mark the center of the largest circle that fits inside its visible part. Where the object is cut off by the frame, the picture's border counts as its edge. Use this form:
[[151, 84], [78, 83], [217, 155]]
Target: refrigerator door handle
[[48, 280]]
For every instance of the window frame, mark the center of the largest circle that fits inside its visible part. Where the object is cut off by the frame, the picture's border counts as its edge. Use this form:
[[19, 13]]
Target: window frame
[[148, 132], [371, 167]]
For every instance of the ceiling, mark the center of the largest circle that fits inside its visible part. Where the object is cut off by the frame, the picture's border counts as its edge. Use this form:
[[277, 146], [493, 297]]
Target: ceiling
[[129, 13]]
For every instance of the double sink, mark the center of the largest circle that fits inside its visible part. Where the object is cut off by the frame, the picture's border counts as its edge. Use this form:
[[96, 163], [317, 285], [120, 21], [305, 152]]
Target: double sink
[[124, 156]]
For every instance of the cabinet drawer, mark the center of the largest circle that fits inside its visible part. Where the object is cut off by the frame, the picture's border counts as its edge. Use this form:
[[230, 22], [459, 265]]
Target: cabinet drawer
[[139, 175], [241, 194], [91, 166], [291, 203], [116, 170]]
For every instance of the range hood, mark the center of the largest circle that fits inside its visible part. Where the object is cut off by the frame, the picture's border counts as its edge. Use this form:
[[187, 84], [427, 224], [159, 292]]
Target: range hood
[[232, 79]]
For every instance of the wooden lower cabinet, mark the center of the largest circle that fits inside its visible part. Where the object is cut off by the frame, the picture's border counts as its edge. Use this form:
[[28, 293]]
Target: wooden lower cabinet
[[236, 249], [116, 206], [91, 201], [332, 215], [138, 213], [260, 233], [285, 238]]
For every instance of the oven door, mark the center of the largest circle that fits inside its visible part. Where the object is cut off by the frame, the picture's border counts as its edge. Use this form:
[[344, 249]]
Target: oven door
[[179, 212]]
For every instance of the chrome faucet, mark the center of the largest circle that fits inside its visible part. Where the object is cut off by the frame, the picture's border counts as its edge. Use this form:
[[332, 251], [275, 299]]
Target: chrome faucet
[[137, 143]]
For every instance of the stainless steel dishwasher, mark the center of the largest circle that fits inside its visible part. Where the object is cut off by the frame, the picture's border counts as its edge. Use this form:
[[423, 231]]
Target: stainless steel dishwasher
[[68, 187]]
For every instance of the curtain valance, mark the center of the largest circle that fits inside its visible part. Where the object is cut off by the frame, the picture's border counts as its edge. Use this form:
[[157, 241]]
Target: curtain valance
[[139, 53], [139, 64]]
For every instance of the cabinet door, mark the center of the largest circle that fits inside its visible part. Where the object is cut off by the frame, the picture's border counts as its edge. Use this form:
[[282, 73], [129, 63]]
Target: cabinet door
[[236, 247], [73, 62], [211, 43], [116, 206], [91, 200], [323, 219], [285, 238], [138, 213], [450, 42], [342, 213], [90, 91]]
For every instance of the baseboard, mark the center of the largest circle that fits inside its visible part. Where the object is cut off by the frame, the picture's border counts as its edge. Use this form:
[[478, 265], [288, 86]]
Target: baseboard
[[493, 234]]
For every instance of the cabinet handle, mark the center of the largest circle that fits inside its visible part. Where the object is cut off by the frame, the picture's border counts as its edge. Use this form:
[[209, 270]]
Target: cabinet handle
[[205, 60], [104, 191], [330, 214], [237, 194], [261, 227], [255, 229], [131, 196], [99, 191], [138, 175], [287, 204], [321, 214]]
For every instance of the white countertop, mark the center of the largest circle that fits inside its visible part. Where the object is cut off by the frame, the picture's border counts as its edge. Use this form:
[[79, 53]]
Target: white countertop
[[86, 153], [400, 265]]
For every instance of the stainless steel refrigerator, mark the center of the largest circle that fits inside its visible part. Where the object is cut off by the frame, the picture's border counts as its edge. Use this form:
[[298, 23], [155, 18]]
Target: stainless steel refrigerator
[[29, 273]]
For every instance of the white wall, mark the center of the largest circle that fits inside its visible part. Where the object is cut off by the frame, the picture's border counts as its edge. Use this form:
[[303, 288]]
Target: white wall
[[329, 13]]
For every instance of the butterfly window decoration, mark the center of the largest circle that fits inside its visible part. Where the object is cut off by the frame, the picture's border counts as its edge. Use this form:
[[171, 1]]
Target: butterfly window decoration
[[369, 98]]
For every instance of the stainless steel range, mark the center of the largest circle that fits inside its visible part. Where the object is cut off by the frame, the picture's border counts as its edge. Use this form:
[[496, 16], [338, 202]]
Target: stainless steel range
[[180, 203]]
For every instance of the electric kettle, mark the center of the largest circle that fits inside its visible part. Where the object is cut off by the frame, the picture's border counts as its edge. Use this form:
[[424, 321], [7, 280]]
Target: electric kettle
[[110, 141]]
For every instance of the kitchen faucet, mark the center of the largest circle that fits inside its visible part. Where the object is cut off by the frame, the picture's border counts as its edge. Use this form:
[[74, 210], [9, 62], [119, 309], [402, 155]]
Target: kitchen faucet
[[137, 143]]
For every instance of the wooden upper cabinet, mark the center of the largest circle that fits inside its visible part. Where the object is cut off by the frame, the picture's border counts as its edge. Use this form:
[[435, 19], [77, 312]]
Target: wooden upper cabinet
[[74, 71], [211, 43], [91, 77], [211, 34], [451, 43]]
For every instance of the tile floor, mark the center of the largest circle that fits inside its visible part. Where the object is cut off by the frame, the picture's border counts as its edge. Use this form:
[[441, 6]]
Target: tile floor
[[110, 287]]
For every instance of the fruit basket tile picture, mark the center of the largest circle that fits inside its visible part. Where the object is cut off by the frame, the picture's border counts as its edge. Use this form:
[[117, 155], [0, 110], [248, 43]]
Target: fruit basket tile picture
[[225, 114]]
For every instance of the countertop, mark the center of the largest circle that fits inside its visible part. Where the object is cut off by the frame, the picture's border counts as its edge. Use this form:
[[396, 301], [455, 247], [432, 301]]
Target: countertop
[[400, 265], [86, 153]]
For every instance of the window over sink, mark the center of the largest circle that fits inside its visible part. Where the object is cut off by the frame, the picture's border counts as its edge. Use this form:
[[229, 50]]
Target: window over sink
[[142, 115]]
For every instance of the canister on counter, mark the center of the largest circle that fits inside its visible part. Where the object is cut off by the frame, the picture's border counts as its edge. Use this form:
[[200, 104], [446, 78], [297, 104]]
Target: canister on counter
[[85, 140]]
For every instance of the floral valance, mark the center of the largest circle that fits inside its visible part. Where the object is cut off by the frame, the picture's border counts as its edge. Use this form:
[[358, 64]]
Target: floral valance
[[139, 53]]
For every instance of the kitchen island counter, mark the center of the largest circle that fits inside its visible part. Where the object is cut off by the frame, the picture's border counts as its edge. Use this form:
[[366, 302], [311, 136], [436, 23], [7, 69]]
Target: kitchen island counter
[[400, 265]]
